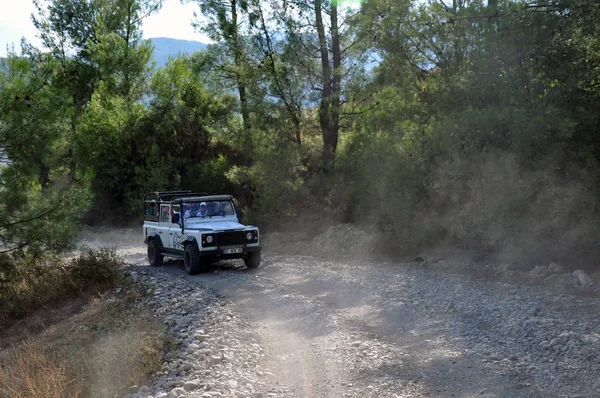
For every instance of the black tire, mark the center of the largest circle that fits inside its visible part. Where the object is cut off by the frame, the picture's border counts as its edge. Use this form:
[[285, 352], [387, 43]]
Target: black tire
[[154, 257], [252, 260], [192, 260]]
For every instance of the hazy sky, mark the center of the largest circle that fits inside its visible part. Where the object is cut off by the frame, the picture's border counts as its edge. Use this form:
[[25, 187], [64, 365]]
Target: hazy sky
[[173, 20]]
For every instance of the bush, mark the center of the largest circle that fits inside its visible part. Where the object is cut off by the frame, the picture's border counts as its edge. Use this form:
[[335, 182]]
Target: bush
[[421, 195], [93, 267], [381, 180], [275, 180], [490, 202], [206, 176], [32, 283], [521, 209]]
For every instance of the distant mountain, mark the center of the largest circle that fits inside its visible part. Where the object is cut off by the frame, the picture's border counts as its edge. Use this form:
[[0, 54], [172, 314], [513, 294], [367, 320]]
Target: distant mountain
[[165, 47]]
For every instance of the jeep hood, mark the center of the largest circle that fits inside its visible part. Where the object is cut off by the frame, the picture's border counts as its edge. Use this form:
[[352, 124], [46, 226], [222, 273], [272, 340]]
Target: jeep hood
[[215, 225]]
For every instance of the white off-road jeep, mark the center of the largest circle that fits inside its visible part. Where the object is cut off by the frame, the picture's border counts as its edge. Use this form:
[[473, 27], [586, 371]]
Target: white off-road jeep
[[198, 228]]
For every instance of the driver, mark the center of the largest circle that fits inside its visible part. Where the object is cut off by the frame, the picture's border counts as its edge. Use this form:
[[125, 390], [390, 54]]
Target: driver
[[178, 213], [203, 212], [187, 210]]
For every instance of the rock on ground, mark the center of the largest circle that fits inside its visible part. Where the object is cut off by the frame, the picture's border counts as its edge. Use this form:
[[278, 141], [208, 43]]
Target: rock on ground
[[215, 351], [581, 278]]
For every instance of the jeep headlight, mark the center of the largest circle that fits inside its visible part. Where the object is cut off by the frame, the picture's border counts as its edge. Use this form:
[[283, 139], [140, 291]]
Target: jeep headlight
[[249, 236], [209, 239]]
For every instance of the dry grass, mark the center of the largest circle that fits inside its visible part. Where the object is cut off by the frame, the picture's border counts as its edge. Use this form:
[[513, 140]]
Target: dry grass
[[121, 361], [48, 280], [105, 348], [29, 372]]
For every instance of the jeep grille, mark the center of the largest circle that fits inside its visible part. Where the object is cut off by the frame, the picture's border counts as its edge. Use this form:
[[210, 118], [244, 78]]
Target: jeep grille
[[231, 238]]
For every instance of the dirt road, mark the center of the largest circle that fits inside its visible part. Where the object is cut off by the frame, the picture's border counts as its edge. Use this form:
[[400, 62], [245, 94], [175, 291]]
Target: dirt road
[[334, 329]]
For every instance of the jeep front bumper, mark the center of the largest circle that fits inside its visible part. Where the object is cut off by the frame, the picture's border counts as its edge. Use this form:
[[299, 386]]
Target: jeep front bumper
[[221, 252]]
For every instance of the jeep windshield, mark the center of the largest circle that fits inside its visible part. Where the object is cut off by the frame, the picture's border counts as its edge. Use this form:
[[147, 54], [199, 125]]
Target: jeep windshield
[[208, 209]]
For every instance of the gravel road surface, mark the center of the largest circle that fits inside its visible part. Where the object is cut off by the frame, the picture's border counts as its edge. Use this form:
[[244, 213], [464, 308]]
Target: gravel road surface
[[301, 326]]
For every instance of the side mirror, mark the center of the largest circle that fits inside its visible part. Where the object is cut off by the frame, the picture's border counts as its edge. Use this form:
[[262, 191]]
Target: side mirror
[[175, 219]]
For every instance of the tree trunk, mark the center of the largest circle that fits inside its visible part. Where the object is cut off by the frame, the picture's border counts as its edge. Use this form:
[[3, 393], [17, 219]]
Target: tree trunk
[[241, 85], [127, 77], [334, 122], [324, 106], [44, 176], [329, 108]]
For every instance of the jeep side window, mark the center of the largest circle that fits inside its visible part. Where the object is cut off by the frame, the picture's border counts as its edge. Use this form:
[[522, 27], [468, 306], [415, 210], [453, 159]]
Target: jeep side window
[[176, 218], [165, 213], [150, 208]]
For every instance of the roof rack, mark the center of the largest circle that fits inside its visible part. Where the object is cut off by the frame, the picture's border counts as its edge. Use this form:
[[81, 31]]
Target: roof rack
[[166, 196], [201, 197]]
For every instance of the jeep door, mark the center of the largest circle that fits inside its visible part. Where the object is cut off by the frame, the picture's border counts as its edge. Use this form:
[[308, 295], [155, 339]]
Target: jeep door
[[175, 233], [164, 223]]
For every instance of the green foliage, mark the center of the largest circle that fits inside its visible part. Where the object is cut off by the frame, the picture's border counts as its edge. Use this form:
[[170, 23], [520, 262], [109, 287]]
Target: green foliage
[[41, 197], [94, 266], [275, 180], [97, 40], [185, 114], [489, 202], [34, 282], [380, 181], [480, 135], [124, 65], [104, 146], [34, 114], [462, 122], [132, 149], [208, 176]]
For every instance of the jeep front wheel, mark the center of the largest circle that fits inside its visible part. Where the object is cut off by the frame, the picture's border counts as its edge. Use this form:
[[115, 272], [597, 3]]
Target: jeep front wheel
[[154, 257], [192, 260], [252, 260]]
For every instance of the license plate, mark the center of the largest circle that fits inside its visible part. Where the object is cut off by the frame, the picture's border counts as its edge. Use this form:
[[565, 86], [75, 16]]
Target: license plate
[[232, 251]]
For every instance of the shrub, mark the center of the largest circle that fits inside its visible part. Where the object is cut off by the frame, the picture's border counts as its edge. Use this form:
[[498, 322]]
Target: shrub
[[94, 266], [275, 181], [27, 283]]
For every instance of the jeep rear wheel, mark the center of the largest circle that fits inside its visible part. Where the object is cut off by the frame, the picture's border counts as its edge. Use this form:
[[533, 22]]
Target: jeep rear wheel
[[253, 260], [192, 260], [154, 257]]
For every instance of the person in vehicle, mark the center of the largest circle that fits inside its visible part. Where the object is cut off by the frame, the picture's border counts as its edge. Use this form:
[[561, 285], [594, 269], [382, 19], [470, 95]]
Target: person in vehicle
[[203, 212], [176, 211], [187, 210], [227, 210], [151, 209]]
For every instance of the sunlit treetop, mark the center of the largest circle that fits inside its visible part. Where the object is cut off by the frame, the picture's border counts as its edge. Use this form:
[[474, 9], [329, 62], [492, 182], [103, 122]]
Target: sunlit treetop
[[347, 3]]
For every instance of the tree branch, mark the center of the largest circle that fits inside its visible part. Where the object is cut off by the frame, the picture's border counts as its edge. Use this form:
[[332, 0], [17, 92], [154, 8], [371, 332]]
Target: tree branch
[[19, 247], [22, 221]]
